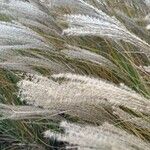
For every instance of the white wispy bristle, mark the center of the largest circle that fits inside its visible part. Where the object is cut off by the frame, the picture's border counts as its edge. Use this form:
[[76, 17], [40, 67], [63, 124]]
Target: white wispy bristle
[[80, 95], [18, 9], [27, 64], [85, 55], [17, 36], [24, 112], [79, 6], [105, 26], [102, 137]]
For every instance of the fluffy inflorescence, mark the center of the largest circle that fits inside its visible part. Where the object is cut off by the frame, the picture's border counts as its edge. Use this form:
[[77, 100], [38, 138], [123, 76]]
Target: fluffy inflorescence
[[79, 93], [105, 26], [103, 137]]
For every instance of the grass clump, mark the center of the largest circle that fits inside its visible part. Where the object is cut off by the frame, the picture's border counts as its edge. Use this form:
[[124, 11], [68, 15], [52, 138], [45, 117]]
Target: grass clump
[[74, 69]]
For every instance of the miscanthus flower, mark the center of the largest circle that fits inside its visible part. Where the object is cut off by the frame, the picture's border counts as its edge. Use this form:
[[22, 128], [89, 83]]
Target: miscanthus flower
[[82, 96], [104, 137]]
